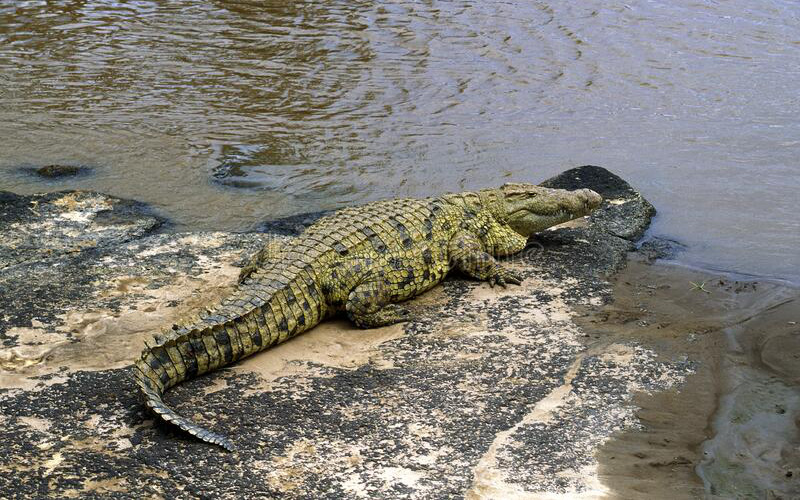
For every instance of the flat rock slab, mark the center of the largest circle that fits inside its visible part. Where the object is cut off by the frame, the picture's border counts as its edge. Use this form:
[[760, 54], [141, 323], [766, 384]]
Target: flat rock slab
[[488, 393], [40, 226]]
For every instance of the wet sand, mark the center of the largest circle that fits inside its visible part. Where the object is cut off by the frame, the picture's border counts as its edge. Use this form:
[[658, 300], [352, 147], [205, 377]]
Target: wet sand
[[731, 431]]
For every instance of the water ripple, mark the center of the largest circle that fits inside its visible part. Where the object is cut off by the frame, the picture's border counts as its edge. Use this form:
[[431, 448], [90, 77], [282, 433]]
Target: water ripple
[[336, 102]]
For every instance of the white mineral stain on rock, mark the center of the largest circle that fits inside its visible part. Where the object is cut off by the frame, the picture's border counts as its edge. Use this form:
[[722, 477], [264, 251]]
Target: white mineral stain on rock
[[36, 343], [106, 486], [42, 425], [619, 354], [402, 475], [110, 431], [81, 209], [51, 464], [306, 458], [77, 216], [354, 487], [217, 384], [287, 471], [490, 481], [557, 333]]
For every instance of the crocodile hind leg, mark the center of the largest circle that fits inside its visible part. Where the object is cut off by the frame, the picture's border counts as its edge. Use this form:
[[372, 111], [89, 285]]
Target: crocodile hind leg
[[468, 256], [369, 304], [273, 250]]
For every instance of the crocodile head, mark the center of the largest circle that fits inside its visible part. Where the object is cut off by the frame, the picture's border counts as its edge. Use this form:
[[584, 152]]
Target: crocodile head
[[530, 208]]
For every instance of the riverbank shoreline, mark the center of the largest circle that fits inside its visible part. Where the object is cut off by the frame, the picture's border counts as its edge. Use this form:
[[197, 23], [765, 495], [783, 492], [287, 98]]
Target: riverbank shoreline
[[553, 389], [710, 436]]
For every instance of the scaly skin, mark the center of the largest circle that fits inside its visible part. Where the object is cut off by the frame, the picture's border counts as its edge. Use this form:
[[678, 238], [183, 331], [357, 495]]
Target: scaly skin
[[359, 261]]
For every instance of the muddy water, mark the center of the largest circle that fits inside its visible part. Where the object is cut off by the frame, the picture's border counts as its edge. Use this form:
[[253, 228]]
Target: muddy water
[[225, 113]]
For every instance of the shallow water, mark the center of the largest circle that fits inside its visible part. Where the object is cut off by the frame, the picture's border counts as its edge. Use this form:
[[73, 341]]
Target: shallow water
[[226, 113], [731, 430]]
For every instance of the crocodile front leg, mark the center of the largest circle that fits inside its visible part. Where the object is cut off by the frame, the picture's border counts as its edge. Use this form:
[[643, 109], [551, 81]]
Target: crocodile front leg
[[369, 304], [468, 256]]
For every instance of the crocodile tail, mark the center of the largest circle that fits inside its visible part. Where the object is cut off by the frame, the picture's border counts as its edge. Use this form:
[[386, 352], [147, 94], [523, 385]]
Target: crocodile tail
[[164, 365], [222, 337]]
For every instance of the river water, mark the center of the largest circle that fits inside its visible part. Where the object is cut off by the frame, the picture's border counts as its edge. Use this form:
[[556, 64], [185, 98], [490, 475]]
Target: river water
[[226, 113]]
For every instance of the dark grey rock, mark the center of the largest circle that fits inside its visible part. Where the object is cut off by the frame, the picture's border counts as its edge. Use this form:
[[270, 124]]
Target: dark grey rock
[[250, 166], [659, 248], [57, 171], [291, 225], [607, 184], [625, 214], [43, 290], [40, 226], [487, 393], [274, 167]]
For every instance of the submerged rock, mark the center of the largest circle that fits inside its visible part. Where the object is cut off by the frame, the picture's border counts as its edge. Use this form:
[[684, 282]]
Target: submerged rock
[[275, 168], [488, 393], [658, 248], [57, 171]]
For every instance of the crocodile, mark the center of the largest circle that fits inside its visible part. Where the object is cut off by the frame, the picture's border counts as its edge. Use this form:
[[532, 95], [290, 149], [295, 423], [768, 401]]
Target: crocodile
[[360, 261]]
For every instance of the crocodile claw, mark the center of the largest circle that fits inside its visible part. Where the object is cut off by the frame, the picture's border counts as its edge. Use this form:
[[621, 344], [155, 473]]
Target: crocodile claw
[[503, 277]]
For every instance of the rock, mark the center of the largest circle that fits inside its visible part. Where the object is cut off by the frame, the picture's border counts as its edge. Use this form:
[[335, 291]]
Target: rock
[[41, 226], [658, 248], [56, 171], [292, 225], [625, 214], [488, 393], [275, 168]]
